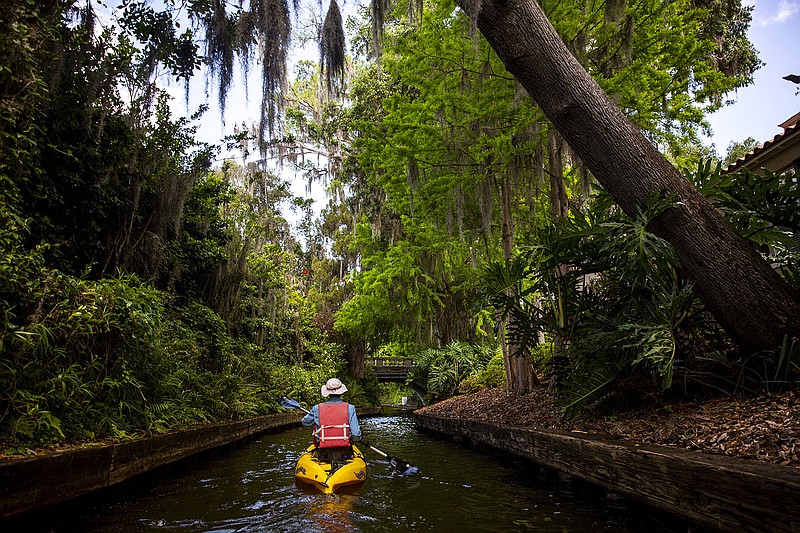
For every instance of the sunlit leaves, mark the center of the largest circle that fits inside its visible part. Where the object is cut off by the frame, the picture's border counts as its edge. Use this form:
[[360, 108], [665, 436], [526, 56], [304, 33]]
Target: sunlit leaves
[[447, 368], [666, 64]]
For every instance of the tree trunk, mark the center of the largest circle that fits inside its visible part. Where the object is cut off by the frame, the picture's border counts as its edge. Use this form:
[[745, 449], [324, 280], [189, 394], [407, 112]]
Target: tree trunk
[[738, 287], [558, 189], [523, 377], [506, 359], [560, 208], [356, 358]]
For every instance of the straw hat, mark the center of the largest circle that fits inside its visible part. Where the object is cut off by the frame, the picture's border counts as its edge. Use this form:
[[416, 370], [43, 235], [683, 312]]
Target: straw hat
[[333, 386]]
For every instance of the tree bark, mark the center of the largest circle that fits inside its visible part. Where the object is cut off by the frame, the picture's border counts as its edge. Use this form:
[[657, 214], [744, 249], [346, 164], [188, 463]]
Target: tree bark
[[356, 358], [522, 376], [558, 189], [752, 302]]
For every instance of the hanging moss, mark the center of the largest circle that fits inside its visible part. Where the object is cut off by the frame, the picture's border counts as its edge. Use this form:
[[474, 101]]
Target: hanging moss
[[260, 33], [332, 49]]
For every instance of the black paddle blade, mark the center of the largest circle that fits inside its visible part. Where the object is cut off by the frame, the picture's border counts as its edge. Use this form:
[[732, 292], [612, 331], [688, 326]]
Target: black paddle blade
[[403, 467]]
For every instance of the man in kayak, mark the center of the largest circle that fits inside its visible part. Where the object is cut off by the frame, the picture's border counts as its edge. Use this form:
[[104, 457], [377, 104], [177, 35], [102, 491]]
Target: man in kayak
[[335, 424]]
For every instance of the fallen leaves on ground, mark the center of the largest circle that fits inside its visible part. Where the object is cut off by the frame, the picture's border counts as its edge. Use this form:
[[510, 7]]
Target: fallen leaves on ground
[[763, 428]]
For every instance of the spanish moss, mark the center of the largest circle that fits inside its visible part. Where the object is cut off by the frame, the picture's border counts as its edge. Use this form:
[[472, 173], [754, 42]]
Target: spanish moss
[[220, 31], [274, 27], [260, 33], [378, 8], [415, 9], [332, 49]]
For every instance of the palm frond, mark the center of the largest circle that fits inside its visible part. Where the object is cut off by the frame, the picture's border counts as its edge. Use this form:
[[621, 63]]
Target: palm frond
[[583, 389]]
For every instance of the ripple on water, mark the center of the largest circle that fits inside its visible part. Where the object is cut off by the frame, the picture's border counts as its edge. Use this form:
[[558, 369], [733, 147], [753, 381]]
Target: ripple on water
[[252, 489]]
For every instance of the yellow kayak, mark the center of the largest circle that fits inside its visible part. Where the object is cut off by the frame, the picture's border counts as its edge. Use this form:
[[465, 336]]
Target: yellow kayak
[[330, 477]]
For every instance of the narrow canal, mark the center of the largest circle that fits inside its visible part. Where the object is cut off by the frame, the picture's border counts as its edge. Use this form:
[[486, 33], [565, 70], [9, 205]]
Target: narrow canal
[[252, 489]]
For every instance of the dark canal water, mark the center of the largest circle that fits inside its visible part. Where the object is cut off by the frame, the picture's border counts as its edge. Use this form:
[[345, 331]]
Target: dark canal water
[[252, 489]]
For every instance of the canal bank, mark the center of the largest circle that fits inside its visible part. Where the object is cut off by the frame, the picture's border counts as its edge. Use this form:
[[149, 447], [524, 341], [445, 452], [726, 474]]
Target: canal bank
[[715, 492], [35, 483], [251, 488]]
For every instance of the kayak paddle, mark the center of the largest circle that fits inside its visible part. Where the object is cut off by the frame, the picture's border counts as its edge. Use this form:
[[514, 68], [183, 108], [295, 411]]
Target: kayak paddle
[[404, 467], [288, 403]]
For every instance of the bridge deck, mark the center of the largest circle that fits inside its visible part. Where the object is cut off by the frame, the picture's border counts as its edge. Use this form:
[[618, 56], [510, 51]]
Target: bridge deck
[[391, 368]]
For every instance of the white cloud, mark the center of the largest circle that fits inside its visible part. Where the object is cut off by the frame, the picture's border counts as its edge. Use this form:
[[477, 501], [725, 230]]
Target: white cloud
[[783, 12]]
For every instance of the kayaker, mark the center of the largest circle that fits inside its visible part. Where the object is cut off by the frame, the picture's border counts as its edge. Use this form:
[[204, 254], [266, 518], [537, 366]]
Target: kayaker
[[335, 424]]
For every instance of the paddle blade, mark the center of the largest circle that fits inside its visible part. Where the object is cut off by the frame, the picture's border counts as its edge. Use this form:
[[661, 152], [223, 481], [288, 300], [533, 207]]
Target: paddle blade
[[410, 471], [289, 404], [403, 467]]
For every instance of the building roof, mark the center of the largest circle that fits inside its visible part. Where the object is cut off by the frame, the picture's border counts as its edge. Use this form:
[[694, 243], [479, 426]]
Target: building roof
[[791, 122], [777, 154]]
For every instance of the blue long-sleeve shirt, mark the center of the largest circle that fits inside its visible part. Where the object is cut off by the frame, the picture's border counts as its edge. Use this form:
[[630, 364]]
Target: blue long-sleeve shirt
[[312, 418]]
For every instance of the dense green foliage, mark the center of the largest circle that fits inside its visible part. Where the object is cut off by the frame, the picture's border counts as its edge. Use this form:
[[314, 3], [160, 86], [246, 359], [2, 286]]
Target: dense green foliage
[[140, 290], [608, 296], [458, 368], [612, 301], [460, 189], [144, 290]]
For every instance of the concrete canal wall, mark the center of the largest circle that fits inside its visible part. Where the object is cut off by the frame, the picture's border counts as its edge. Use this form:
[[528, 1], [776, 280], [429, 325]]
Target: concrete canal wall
[[34, 483], [713, 491]]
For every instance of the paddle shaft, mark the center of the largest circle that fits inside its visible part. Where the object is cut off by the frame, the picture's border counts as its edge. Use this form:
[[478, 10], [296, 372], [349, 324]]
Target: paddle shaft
[[395, 461], [376, 450]]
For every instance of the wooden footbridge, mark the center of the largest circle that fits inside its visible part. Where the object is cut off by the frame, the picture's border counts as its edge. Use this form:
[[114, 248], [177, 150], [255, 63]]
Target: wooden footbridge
[[391, 368], [397, 369]]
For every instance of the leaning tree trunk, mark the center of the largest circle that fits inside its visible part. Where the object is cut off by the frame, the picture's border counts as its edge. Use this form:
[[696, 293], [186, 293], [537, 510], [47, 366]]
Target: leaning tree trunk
[[755, 305]]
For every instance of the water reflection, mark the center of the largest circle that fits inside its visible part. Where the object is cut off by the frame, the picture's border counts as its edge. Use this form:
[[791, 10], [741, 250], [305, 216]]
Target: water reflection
[[252, 489], [331, 513]]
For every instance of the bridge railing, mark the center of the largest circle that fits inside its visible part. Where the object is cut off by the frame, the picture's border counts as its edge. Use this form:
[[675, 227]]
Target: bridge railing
[[397, 369], [391, 362]]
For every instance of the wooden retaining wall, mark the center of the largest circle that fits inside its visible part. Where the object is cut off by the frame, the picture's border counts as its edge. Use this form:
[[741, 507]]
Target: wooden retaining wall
[[713, 491], [34, 483]]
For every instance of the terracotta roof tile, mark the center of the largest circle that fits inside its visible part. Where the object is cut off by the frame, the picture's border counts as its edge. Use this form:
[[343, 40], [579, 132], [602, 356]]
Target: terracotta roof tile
[[789, 131]]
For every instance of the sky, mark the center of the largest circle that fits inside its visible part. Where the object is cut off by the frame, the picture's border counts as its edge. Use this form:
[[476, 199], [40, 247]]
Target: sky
[[759, 108], [755, 111]]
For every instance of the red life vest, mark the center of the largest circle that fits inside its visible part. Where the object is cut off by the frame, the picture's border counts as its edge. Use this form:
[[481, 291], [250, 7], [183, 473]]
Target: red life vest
[[334, 425]]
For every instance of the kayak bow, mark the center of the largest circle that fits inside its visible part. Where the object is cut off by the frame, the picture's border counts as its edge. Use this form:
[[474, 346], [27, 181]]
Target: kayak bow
[[330, 477]]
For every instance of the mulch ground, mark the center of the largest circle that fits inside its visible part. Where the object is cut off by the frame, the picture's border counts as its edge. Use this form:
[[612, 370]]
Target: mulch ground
[[764, 428]]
